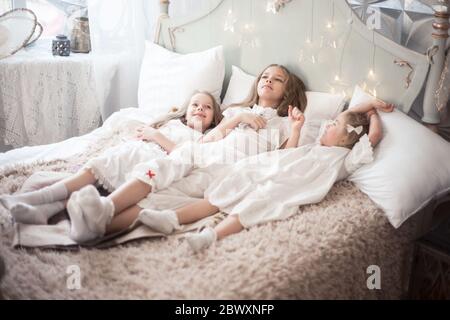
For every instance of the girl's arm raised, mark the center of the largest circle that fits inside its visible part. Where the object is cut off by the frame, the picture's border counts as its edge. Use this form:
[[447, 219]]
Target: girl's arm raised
[[375, 130], [297, 120], [374, 104]]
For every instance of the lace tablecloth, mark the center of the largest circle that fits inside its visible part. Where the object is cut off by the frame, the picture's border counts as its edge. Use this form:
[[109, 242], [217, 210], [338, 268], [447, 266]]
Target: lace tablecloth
[[46, 99]]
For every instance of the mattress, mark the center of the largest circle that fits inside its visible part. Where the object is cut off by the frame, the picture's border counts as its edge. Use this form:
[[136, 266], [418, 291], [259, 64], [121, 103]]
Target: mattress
[[325, 251]]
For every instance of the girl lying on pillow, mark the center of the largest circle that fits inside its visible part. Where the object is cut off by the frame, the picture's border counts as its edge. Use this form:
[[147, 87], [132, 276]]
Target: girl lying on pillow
[[271, 186]]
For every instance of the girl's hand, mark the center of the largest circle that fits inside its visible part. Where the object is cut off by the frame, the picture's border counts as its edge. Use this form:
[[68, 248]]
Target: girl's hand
[[253, 120], [146, 133], [383, 106], [297, 117]]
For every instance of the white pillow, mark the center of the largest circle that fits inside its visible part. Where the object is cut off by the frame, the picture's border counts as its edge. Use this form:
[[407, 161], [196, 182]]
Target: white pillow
[[239, 87], [411, 165], [321, 105], [168, 79]]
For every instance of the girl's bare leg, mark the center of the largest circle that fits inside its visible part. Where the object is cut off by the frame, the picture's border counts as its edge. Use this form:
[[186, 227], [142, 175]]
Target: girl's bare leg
[[123, 220], [129, 194], [195, 211], [229, 226], [79, 180]]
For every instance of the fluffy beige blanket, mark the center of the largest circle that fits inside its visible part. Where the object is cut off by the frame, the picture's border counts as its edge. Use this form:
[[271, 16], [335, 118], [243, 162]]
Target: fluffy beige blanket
[[321, 253]]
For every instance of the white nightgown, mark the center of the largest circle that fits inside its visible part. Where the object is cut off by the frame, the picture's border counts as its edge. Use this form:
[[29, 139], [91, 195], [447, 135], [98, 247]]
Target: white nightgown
[[214, 157], [273, 185], [115, 165]]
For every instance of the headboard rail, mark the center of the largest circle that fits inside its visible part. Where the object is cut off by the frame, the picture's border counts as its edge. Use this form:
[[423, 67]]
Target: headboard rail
[[361, 56]]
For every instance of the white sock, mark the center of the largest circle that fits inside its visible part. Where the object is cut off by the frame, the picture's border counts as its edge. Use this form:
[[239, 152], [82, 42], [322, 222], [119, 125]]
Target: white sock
[[53, 193], [202, 240], [79, 231], [89, 213], [98, 211], [165, 221], [28, 214]]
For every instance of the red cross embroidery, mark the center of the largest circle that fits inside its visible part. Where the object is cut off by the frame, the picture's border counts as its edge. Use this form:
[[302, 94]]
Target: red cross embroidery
[[150, 174]]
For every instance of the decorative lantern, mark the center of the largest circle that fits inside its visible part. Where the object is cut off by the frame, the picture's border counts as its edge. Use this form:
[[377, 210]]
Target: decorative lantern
[[80, 38], [61, 46]]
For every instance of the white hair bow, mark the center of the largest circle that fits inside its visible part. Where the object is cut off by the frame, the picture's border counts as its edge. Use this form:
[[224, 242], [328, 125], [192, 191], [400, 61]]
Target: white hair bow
[[358, 130]]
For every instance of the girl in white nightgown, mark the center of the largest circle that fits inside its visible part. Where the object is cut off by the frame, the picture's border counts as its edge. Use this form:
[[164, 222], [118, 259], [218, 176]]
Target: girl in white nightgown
[[271, 186], [114, 167]]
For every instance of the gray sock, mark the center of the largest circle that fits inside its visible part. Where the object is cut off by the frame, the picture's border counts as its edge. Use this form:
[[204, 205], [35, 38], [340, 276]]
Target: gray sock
[[39, 214], [50, 194]]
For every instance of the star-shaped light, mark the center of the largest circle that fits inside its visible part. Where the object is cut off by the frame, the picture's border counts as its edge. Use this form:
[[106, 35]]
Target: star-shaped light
[[371, 83], [230, 21], [248, 37], [338, 86], [310, 51]]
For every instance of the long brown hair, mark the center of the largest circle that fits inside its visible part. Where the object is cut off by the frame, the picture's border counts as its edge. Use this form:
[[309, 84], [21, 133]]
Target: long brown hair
[[180, 113], [295, 93]]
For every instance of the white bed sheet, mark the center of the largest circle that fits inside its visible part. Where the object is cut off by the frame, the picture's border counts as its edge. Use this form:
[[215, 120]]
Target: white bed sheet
[[62, 150]]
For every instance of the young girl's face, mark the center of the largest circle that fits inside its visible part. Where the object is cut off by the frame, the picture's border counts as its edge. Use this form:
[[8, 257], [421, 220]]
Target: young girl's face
[[335, 132], [272, 85], [200, 113]]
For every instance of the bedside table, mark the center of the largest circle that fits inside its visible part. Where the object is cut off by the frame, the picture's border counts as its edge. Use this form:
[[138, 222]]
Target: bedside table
[[430, 277], [47, 99]]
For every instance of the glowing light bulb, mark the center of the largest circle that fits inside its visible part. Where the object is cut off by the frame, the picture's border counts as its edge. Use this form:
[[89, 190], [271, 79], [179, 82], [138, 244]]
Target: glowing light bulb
[[329, 25], [336, 78], [371, 73]]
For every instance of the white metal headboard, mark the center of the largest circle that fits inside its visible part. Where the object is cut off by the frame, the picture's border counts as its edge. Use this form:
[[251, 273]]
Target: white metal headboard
[[261, 38]]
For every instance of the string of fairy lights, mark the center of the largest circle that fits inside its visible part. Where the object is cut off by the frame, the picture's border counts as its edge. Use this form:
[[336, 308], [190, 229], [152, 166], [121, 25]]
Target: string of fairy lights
[[331, 37]]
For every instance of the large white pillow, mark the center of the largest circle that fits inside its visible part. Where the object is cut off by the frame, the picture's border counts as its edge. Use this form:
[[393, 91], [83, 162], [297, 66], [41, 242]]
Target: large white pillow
[[411, 166], [239, 87], [168, 79]]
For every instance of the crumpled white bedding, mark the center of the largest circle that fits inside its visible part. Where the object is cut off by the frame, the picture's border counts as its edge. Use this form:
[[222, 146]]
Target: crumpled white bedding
[[124, 119]]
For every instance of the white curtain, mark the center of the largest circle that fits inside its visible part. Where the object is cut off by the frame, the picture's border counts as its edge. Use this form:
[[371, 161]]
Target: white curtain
[[119, 29]]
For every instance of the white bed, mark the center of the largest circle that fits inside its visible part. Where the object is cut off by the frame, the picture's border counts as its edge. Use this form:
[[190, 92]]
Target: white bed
[[322, 252]]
